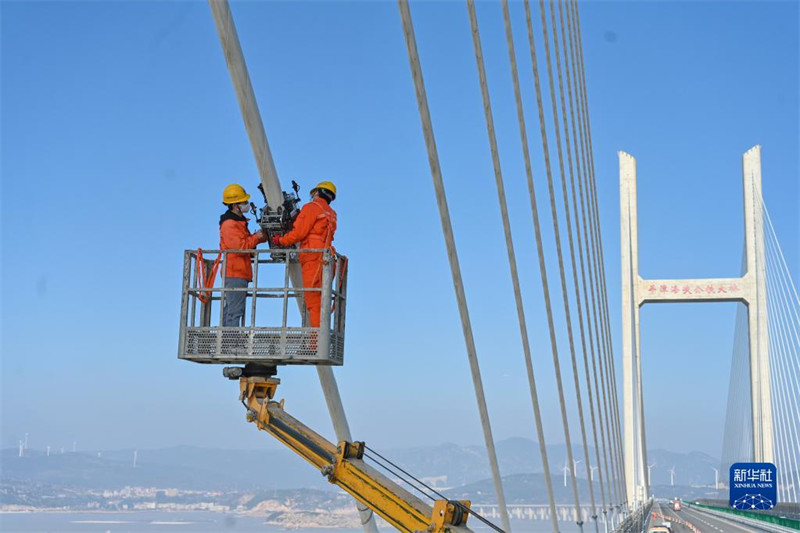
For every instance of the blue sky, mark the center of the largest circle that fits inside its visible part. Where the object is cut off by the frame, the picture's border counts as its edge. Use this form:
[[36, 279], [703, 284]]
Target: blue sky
[[120, 128]]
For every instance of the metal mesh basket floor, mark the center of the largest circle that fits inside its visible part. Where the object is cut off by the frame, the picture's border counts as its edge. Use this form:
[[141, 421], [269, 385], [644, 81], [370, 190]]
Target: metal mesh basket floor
[[258, 345]]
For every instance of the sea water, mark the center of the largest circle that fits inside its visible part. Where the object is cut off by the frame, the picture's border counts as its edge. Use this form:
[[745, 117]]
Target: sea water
[[189, 522], [134, 522]]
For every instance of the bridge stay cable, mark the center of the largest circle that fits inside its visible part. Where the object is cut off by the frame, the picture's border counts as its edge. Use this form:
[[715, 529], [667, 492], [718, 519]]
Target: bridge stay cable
[[738, 421], [580, 170], [607, 338], [793, 303], [779, 346], [600, 277], [785, 454], [592, 325], [784, 442], [603, 344], [777, 390], [783, 328], [580, 166], [607, 355], [792, 342], [542, 125], [543, 272], [570, 232], [789, 297], [452, 254], [501, 197], [784, 268], [566, 136], [784, 358], [602, 358], [604, 341]]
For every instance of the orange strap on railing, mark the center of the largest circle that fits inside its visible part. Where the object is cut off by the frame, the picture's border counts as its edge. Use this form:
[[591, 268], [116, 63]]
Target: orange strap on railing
[[203, 280]]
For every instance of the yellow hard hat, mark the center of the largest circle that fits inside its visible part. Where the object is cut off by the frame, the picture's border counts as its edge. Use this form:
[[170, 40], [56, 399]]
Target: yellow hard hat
[[327, 185], [234, 194]]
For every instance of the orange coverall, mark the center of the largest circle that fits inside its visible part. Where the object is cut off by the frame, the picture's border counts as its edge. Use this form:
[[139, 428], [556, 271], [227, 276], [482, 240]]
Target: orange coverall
[[234, 235], [313, 228]]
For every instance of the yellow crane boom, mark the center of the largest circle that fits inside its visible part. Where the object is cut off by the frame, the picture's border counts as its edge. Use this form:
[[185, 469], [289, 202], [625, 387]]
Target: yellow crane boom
[[342, 464]]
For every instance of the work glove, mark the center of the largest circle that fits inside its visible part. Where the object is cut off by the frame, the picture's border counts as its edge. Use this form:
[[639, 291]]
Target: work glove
[[276, 240]]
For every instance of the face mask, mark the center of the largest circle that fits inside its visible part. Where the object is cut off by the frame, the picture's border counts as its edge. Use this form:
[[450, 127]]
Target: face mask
[[245, 207]]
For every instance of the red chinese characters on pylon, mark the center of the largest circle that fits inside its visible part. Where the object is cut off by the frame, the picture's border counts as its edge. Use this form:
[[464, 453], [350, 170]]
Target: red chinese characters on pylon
[[688, 290]]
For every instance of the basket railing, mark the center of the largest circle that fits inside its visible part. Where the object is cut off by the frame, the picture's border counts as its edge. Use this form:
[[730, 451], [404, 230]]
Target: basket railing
[[274, 328]]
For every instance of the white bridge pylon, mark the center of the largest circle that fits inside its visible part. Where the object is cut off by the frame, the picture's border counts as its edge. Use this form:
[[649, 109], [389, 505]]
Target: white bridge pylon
[[750, 289]]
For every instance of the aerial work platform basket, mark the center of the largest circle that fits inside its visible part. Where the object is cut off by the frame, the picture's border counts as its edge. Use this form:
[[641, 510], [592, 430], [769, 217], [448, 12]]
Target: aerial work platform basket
[[274, 329]]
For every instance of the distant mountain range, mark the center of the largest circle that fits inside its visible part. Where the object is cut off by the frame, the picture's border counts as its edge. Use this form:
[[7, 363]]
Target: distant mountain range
[[446, 466], [530, 489]]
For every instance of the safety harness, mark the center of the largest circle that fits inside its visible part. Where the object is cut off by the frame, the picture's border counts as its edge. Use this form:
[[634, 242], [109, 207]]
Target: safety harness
[[204, 280], [327, 240]]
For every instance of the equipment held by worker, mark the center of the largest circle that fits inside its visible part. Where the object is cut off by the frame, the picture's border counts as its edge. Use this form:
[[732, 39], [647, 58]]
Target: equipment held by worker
[[278, 220]]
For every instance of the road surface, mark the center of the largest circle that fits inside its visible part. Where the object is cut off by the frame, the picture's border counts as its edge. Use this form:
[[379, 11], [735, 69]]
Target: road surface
[[696, 521]]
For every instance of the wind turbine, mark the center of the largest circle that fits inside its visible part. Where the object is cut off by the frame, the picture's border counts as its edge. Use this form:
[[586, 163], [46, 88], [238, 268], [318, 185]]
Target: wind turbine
[[565, 469], [716, 477], [649, 468], [48, 451], [592, 469], [22, 451], [575, 465], [135, 456], [672, 476]]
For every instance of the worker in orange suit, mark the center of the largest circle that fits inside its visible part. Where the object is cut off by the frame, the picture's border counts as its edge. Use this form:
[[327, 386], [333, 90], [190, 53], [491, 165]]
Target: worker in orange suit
[[234, 235], [313, 228]]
